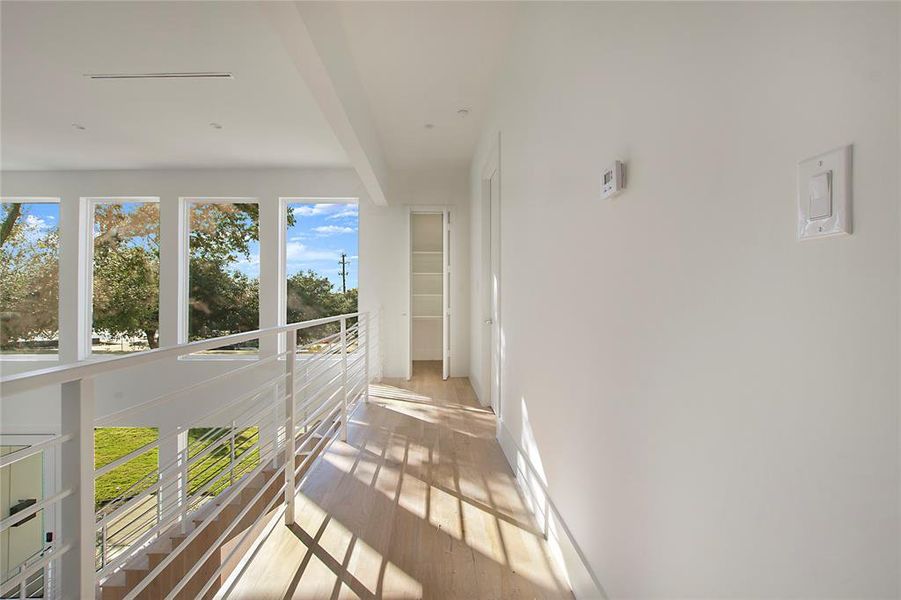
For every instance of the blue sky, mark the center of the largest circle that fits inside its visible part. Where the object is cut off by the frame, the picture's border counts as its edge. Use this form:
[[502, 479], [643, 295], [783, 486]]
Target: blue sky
[[42, 215], [321, 232]]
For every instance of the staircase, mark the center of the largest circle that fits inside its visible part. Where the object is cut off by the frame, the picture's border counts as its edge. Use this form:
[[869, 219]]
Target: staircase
[[235, 545]]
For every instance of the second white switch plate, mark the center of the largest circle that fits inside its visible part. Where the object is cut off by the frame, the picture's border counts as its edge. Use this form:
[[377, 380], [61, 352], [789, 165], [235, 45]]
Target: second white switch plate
[[824, 194]]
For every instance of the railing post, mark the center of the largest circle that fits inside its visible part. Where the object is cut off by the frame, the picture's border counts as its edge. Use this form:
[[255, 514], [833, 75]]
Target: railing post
[[366, 363], [343, 379], [103, 541], [306, 391], [182, 488], [231, 458], [290, 360], [77, 510], [276, 411]]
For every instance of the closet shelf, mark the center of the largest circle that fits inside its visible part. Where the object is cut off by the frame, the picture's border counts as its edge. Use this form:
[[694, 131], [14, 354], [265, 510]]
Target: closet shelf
[[428, 273], [426, 316], [428, 252], [433, 295]]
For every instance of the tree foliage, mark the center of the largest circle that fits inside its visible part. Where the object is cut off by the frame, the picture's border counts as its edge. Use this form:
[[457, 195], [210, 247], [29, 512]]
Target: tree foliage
[[310, 296], [126, 275], [127, 271], [29, 279]]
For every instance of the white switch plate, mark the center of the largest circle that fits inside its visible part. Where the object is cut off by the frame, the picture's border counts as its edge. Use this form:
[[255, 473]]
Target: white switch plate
[[828, 174]]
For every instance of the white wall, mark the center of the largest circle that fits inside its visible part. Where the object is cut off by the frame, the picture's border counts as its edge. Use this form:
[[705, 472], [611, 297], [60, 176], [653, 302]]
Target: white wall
[[716, 405], [387, 238]]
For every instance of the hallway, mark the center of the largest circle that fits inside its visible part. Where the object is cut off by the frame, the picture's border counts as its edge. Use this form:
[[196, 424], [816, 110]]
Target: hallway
[[420, 504]]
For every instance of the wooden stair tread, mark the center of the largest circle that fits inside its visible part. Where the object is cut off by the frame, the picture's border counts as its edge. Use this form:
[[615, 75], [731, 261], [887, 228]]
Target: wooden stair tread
[[258, 490]]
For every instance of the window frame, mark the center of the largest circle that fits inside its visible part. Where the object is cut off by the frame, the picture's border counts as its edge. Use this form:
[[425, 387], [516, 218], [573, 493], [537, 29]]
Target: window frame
[[283, 203], [90, 204], [41, 200], [184, 275]]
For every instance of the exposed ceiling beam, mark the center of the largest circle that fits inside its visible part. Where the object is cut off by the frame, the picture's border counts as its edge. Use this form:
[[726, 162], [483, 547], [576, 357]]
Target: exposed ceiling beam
[[314, 38]]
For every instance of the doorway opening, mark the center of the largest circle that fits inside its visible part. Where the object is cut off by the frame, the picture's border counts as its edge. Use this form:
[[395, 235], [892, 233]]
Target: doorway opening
[[429, 289], [491, 284]]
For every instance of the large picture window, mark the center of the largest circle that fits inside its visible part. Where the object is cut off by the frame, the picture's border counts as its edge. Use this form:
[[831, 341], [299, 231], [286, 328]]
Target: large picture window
[[223, 271], [29, 276], [321, 259], [126, 275]]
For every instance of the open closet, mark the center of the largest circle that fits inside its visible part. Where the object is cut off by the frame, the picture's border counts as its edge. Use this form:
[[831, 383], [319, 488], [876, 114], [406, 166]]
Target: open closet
[[429, 287]]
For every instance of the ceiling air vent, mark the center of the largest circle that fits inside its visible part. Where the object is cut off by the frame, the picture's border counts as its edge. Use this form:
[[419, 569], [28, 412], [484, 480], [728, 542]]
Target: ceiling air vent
[[222, 75]]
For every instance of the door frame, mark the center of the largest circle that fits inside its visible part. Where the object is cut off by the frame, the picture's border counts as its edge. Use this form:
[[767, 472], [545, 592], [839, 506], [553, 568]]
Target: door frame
[[491, 247], [445, 211]]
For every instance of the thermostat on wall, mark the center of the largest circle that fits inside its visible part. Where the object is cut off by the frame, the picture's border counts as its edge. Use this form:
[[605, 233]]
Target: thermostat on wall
[[613, 180]]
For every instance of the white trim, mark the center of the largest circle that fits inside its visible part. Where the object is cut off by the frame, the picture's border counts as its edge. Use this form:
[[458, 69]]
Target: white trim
[[90, 204], [444, 211], [22, 357], [320, 199], [95, 200], [29, 199], [584, 582], [184, 275], [55, 357], [491, 235]]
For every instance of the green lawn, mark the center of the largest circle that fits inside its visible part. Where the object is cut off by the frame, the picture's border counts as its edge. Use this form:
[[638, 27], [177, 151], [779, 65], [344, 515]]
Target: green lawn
[[111, 443]]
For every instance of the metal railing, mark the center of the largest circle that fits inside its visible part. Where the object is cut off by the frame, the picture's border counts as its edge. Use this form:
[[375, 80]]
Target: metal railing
[[309, 389]]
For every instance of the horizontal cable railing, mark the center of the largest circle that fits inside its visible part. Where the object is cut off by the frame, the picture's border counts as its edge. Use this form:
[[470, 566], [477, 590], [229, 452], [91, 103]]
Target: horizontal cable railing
[[285, 406]]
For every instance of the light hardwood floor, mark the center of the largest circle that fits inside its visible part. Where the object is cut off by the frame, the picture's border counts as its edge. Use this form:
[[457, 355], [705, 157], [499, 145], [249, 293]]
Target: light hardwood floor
[[419, 504]]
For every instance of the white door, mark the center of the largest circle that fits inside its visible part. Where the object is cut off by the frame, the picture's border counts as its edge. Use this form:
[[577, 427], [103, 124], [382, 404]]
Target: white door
[[491, 339]]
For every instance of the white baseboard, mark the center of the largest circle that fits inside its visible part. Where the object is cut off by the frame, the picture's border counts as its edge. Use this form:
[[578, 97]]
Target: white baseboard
[[582, 580]]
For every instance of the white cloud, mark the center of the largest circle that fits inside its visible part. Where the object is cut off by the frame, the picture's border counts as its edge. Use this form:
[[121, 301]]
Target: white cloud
[[326, 230], [347, 211], [296, 252], [37, 223], [331, 210], [310, 210]]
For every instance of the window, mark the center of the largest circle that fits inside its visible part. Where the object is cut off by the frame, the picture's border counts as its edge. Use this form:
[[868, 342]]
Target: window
[[29, 276], [321, 260], [126, 275], [223, 271]]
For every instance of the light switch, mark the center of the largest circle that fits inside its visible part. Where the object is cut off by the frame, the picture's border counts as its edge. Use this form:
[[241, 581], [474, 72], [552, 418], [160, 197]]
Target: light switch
[[824, 195], [820, 190]]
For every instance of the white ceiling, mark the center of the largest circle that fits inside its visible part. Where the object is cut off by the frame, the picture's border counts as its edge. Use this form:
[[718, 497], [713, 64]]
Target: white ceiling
[[268, 114], [418, 63]]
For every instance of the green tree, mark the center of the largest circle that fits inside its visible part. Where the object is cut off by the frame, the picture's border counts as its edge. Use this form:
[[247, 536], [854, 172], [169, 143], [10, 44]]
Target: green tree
[[222, 301], [126, 275], [29, 278], [310, 296], [126, 271]]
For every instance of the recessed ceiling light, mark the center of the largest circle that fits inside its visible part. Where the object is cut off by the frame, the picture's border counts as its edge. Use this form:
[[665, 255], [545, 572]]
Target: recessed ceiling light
[[463, 112], [215, 125], [429, 125], [79, 126], [171, 75]]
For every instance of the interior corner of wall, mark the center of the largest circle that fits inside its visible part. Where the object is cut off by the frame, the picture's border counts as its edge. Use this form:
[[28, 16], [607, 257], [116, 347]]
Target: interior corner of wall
[[563, 547]]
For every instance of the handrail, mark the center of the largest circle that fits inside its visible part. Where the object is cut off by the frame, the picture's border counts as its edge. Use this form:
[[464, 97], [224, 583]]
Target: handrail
[[313, 391], [31, 380]]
